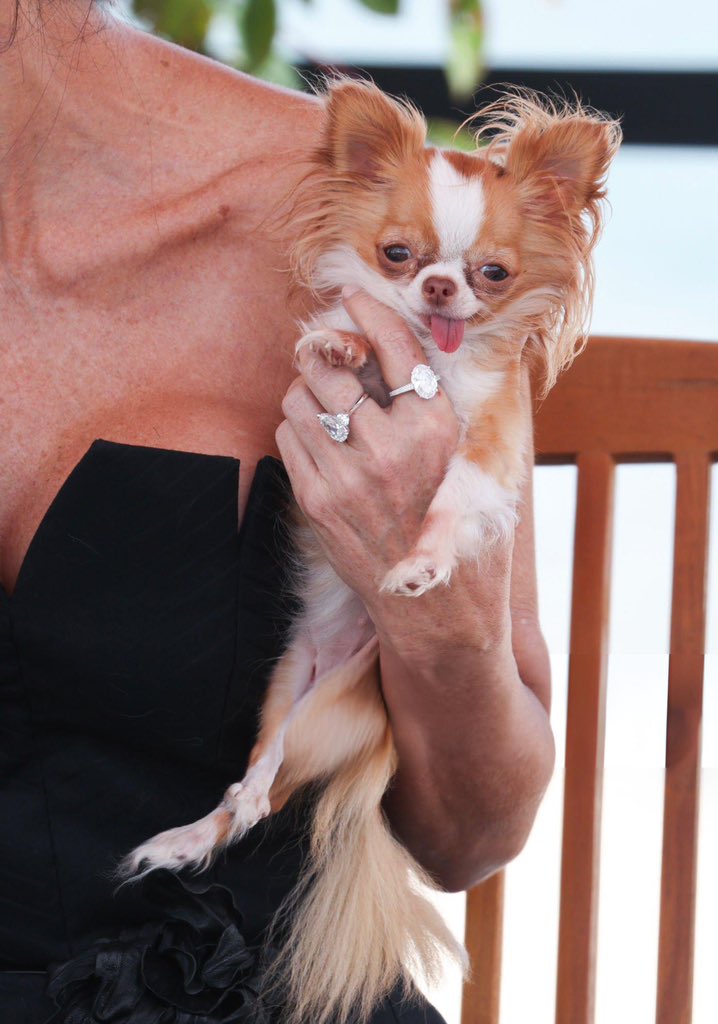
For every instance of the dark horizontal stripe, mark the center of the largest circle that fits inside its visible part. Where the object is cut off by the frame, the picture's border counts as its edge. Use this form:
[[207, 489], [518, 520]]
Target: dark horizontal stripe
[[656, 107]]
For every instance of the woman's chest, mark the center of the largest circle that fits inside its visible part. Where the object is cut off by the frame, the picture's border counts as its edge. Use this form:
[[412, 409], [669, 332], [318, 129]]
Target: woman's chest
[[192, 352]]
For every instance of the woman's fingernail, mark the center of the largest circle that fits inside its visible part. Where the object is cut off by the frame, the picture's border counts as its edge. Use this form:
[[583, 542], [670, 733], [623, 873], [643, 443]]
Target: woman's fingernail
[[348, 290]]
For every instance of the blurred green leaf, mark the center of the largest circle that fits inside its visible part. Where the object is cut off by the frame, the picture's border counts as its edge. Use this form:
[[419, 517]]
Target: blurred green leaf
[[449, 135], [465, 66], [183, 21], [382, 6], [277, 70], [258, 24], [465, 7], [187, 22]]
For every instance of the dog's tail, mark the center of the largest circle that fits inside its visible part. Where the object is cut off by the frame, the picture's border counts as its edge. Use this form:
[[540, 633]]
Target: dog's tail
[[359, 923]]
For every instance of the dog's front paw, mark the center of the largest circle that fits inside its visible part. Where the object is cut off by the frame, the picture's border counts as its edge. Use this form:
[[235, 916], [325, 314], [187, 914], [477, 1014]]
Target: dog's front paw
[[415, 575], [188, 846], [339, 348], [247, 804]]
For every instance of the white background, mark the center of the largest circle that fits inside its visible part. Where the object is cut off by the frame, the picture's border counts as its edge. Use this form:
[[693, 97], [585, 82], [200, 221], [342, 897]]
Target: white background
[[655, 34]]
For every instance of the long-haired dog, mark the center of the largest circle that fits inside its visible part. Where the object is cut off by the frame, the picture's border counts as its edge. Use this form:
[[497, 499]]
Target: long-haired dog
[[487, 256]]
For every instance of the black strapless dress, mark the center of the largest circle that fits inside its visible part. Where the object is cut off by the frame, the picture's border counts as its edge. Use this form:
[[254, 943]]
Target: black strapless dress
[[134, 655]]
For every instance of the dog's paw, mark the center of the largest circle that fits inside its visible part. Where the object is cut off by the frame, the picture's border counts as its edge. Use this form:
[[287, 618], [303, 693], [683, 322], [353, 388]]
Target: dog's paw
[[195, 845], [247, 804], [339, 348], [414, 576], [189, 846]]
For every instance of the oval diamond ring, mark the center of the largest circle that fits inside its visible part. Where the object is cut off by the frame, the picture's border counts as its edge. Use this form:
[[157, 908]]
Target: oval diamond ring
[[423, 380]]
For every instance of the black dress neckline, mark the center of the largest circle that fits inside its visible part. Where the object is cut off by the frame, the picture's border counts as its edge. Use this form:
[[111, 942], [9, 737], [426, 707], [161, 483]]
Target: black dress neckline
[[98, 444], [135, 652]]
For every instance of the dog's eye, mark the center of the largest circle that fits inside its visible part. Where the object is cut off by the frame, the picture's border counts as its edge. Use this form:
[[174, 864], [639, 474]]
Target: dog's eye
[[493, 272], [397, 253]]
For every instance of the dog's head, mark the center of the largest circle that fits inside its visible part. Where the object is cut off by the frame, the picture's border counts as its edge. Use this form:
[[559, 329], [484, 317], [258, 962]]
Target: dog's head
[[489, 247]]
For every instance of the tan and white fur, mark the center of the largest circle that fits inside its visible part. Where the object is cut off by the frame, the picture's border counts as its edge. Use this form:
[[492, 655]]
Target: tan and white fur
[[487, 256]]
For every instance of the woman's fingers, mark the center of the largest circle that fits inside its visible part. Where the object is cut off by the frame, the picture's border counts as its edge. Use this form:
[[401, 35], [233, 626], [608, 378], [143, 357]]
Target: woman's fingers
[[386, 441], [394, 343], [336, 390], [425, 421], [294, 454], [334, 387]]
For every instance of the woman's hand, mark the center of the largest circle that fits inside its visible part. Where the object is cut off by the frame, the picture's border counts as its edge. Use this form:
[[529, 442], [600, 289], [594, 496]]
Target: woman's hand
[[366, 498], [463, 668]]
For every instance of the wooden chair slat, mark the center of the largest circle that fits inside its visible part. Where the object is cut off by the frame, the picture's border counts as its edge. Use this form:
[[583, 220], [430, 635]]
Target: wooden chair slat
[[641, 398], [623, 400], [575, 996], [484, 935], [683, 742]]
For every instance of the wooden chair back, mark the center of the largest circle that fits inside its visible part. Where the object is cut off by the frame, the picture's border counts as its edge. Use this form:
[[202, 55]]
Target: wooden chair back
[[623, 400]]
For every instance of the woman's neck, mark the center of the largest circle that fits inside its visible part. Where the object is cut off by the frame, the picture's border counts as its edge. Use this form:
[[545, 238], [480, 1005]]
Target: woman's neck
[[87, 104], [51, 58], [56, 113], [105, 129]]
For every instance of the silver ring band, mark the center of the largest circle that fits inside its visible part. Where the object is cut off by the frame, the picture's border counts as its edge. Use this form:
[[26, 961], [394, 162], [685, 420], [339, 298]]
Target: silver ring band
[[401, 391], [360, 400]]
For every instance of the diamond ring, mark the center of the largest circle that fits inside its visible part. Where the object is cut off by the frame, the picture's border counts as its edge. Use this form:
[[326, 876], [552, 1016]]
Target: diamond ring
[[423, 380], [337, 424]]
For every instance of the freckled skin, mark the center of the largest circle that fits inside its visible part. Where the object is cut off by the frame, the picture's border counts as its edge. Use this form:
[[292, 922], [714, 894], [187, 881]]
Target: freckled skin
[[144, 297]]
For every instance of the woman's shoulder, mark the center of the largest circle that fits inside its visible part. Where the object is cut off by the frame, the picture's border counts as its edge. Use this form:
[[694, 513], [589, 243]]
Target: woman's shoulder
[[226, 114]]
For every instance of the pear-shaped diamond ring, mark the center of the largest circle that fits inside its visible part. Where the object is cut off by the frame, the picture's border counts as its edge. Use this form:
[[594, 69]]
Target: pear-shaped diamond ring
[[337, 424]]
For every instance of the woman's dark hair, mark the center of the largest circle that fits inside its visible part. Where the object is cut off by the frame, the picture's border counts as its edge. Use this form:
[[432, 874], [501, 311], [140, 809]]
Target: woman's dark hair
[[6, 43]]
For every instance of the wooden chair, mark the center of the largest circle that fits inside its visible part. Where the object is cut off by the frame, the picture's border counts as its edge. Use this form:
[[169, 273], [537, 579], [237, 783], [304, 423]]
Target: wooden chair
[[624, 400]]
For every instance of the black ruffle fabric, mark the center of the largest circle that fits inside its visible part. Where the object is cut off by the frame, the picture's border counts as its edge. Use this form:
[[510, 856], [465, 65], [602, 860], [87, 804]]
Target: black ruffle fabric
[[193, 966]]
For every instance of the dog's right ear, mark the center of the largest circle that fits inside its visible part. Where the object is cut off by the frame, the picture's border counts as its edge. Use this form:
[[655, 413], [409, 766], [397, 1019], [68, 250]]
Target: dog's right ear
[[369, 135]]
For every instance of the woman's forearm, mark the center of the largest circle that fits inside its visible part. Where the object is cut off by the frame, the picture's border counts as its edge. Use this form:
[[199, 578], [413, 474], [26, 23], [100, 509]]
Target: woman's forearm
[[475, 748]]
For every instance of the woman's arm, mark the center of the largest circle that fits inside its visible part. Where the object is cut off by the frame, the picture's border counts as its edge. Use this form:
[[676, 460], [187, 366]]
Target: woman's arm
[[464, 668], [468, 786]]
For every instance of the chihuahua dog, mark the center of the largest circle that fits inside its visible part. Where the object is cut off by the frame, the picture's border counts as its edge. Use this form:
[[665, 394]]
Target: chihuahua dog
[[487, 256]]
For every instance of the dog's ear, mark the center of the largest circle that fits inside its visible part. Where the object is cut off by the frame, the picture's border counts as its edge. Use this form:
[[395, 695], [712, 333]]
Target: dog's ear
[[564, 162], [368, 135]]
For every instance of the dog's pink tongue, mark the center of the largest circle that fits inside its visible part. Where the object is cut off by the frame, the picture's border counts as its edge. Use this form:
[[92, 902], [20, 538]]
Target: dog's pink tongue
[[448, 334]]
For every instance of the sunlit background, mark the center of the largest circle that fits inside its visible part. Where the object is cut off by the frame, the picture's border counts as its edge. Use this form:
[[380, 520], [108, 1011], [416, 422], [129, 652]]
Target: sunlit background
[[657, 271]]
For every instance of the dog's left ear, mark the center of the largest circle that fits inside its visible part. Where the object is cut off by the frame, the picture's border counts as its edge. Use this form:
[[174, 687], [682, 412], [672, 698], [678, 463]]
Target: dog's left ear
[[564, 162]]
